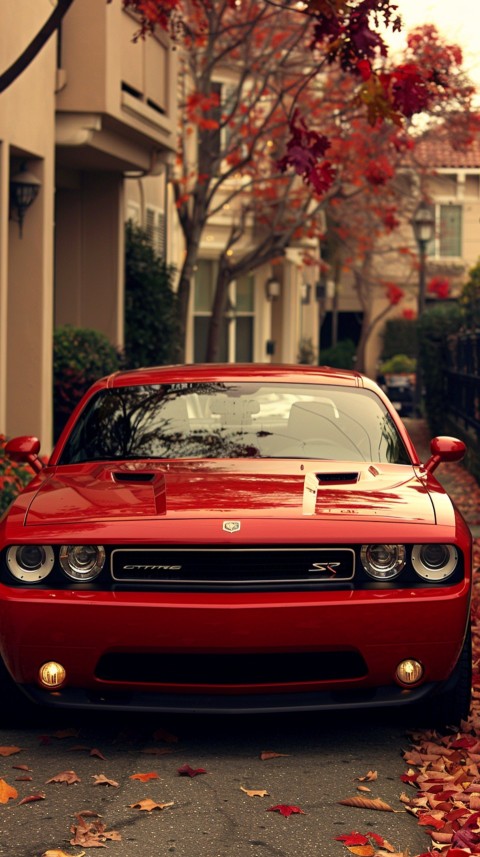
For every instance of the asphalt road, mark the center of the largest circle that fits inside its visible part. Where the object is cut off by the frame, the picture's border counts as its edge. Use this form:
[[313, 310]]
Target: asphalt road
[[211, 816]]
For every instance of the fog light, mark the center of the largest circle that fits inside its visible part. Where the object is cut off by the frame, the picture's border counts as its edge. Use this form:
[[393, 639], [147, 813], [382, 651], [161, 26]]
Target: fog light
[[409, 672], [51, 674]]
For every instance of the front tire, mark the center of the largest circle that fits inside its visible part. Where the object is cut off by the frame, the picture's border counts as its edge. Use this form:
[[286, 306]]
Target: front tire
[[450, 706], [15, 709]]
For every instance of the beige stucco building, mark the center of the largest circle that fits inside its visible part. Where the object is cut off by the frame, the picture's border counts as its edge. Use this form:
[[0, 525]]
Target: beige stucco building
[[93, 119], [91, 109], [449, 179]]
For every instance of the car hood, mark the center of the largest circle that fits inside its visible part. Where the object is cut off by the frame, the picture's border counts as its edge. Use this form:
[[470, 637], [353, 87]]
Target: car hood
[[240, 488]]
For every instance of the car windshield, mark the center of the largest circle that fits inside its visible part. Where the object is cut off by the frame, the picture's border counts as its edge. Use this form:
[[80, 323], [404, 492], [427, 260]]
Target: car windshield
[[235, 420]]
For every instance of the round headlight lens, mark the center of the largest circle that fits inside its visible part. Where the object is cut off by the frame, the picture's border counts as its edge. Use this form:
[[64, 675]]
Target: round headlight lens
[[82, 562], [383, 562], [434, 562], [30, 563]]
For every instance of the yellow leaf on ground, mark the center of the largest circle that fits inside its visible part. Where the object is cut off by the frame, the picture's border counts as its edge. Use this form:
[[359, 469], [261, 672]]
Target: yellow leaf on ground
[[362, 850], [56, 853], [368, 778], [148, 804], [102, 780], [254, 792], [367, 803], [7, 792]]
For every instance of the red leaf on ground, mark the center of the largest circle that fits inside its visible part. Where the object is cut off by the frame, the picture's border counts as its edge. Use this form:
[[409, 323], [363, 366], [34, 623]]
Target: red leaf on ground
[[352, 839], [286, 810], [187, 771]]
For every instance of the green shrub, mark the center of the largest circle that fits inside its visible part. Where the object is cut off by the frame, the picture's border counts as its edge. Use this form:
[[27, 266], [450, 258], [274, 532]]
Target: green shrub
[[339, 356], [399, 364], [80, 357], [307, 353], [399, 337], [13, 477], [470, 298], [151, 318], [433, 328]]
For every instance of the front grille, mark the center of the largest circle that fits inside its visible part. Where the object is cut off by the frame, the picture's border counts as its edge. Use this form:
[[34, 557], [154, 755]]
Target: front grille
[[179, 567], [224, 669]]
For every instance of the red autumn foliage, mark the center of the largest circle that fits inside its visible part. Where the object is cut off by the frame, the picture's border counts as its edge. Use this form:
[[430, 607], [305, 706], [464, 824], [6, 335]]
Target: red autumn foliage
[[286, 810], [439, 286]]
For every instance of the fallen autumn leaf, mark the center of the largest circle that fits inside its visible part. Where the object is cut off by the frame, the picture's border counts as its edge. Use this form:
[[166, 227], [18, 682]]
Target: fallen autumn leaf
[[7, 792], [148, 804], [367, 803], [285, 809], [187, 771], [68, 777], [144, 778], [254, 792], [9, 751]]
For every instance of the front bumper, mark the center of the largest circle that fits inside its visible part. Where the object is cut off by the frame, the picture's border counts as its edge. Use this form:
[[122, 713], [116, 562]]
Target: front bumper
[[80, 627]]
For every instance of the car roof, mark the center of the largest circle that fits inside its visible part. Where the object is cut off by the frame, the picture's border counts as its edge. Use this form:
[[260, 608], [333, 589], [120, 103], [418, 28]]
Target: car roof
[[201, 372]]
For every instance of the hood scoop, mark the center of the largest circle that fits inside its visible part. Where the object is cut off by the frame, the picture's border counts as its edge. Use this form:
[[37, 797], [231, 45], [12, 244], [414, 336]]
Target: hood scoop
[[337, 478], [133, 476], [314, 481]]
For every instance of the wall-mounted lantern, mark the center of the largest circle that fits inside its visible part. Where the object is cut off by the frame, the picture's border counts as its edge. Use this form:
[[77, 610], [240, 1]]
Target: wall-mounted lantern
[[272, 289], [24, 188]]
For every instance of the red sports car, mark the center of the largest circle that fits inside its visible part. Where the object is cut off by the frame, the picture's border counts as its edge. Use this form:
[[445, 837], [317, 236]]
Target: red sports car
[[236, 538]]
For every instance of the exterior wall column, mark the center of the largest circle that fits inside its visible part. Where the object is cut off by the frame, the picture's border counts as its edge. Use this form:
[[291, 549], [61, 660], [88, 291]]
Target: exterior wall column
[[4, 195], [90, 254], [30, 314]]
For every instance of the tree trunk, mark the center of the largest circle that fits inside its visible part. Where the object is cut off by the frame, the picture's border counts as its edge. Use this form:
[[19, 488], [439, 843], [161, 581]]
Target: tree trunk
[[183, 294], [218, 313]]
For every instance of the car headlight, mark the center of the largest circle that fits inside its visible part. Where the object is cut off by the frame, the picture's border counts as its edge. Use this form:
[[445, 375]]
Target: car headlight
[[434, 562], [30, 563], [82, 562], [383, 562]]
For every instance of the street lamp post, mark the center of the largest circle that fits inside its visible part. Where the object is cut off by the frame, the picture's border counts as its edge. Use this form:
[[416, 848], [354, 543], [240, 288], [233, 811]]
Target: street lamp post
[[423, 223]]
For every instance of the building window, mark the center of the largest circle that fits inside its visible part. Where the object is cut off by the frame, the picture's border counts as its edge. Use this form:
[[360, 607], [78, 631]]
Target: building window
[[155, 229], [448, 231], [236, 334], [133, 213]]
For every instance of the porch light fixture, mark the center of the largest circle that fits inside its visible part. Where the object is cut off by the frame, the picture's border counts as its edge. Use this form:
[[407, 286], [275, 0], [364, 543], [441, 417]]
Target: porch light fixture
[[24, 188], [272, 289]]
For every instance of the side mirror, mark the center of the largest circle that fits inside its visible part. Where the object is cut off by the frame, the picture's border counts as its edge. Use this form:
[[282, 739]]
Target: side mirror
[[445, 449], [25, 449]]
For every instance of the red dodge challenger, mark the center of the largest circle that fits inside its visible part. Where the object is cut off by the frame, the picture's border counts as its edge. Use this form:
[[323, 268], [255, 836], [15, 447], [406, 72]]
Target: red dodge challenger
[[236, 538]]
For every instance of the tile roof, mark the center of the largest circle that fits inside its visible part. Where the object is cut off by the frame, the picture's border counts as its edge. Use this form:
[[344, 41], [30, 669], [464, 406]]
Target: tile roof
[[437, 153]]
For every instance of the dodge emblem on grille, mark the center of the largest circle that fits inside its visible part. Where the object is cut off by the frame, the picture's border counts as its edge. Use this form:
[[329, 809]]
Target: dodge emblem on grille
[[231, 526]]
